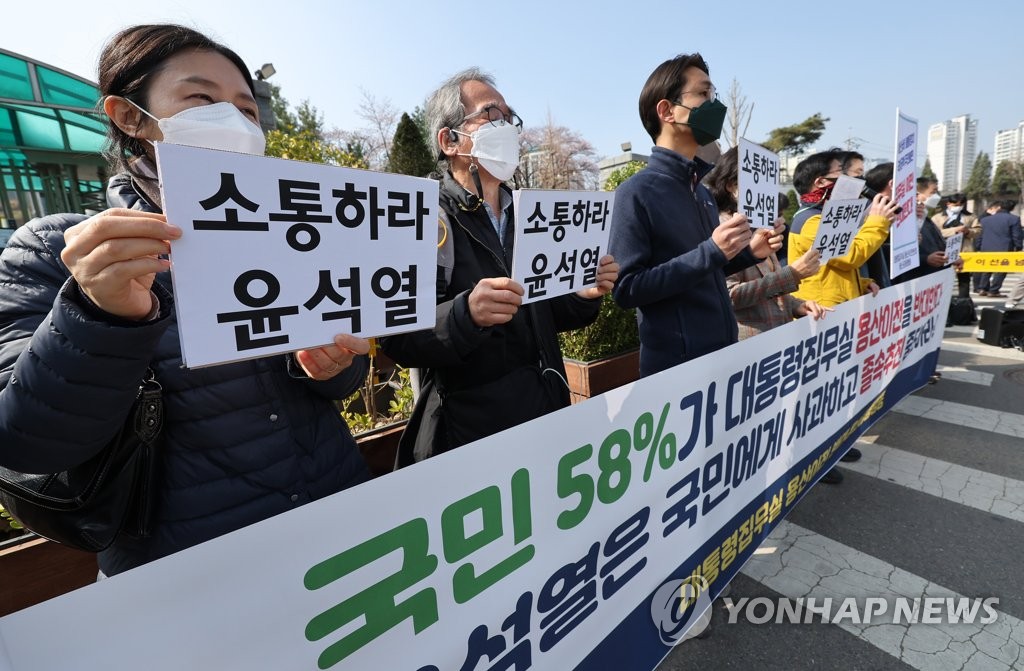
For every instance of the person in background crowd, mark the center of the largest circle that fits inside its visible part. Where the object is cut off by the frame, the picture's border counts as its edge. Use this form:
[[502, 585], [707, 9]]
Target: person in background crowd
[[490, 363], [839, 279], [852, 164], [665, 230], [88, 308], [928, 197], [931, 246], [1000, 232], [1016, 296], [953, 219], [761, 294]]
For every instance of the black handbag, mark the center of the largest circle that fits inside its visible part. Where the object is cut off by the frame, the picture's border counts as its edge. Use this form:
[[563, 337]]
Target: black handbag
[[87, 506]]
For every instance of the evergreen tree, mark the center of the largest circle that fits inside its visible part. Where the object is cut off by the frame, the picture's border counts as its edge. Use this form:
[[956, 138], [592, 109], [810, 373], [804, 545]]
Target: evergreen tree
[[927, 171], [300, 135], [978, 184], [356, 150], [286, 121], [409, 154], [419, 116], [793, 139], [1006, 181], [310, 120]]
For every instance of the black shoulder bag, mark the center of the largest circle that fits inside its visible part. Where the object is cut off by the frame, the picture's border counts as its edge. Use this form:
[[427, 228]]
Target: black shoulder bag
[[87, 506]]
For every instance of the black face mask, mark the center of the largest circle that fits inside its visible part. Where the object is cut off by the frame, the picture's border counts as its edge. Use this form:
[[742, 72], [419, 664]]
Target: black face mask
[[706, 121]]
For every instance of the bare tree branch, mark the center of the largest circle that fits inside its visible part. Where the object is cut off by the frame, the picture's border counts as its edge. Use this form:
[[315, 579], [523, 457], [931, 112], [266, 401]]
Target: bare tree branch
[[739, 113], [381, 118]]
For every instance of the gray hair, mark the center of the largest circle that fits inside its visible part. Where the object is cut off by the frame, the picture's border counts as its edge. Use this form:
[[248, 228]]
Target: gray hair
[[444, 108]]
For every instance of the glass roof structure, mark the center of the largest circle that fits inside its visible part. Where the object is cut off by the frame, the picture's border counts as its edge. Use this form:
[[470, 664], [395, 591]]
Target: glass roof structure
[[51, 139]]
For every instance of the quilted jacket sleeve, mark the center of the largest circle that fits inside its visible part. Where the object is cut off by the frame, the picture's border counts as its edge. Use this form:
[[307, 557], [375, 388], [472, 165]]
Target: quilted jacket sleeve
[[67, 378]]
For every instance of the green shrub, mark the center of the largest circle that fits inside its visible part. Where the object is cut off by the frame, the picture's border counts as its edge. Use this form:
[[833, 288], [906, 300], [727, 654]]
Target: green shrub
[[360, 410], [613, 332], [7, 522], [620, 175]]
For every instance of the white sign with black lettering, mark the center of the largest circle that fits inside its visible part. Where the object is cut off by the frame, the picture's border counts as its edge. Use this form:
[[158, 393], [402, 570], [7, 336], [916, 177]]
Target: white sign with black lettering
[[281, 255], [903, 247], [758, 184], [839, 222], [953, 245], [560, 238]]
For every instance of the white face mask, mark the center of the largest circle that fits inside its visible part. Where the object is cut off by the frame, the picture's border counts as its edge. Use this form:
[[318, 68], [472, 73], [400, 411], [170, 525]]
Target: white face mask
[[496, 146], [953, 211], [218, 126], [931, 201]]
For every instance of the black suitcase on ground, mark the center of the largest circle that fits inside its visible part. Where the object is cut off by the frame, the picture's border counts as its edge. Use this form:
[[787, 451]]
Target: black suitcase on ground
[[1002, 328], [961, 311]]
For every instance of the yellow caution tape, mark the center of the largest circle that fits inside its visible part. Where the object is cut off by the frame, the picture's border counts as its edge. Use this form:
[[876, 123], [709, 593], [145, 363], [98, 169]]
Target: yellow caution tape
[[993, 262]]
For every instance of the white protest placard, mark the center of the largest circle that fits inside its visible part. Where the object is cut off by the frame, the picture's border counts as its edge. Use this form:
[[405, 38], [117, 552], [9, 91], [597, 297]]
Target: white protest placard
[[758, 184], [839, 222], [847, 188], [903, 254], [280, 255], [953, 245], [560, 238], [550, 544]]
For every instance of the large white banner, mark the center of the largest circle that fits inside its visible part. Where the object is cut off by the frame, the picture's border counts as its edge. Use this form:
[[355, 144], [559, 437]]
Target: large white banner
[[282, 255], [551, 545], [758, 184], [560, 239], [903, 254]]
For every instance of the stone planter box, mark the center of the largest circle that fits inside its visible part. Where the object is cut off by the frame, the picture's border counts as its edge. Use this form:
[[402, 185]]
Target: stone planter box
[[590, 378]]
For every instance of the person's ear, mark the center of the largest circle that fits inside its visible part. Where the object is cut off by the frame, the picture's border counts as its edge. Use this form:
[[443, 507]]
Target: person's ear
[[664, 110], [123, 114], [448, 141]]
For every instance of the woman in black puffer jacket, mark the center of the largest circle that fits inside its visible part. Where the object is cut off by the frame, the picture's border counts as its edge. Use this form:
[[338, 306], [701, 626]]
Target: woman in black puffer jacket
[[86, 308]]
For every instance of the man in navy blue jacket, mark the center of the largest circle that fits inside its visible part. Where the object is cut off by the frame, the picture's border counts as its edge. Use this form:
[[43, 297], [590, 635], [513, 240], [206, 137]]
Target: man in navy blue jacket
[[1000, 232], [672, 252]]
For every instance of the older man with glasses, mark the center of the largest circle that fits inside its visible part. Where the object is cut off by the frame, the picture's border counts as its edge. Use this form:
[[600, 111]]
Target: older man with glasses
[[490, 363]]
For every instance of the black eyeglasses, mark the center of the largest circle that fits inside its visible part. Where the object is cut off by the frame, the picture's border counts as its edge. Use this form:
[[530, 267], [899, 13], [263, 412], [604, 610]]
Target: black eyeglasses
[[497, 117]]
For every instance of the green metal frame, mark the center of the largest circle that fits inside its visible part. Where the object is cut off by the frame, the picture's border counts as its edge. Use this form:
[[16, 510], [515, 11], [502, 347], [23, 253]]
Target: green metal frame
[[51, 141]]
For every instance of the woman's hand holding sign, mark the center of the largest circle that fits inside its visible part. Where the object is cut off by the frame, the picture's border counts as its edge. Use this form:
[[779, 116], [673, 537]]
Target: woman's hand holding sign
[[115, 256], [323, 363]]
